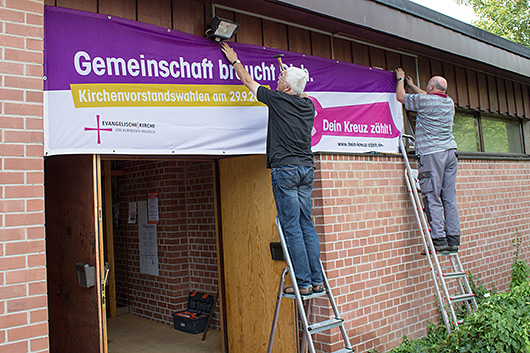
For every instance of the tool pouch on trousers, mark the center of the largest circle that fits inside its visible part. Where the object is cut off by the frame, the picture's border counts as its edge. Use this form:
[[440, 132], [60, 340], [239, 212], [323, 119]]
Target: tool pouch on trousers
[[425, 182]]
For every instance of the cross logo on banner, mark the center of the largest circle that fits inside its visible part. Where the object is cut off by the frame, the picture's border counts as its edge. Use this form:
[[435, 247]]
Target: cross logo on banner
[[98, 129]]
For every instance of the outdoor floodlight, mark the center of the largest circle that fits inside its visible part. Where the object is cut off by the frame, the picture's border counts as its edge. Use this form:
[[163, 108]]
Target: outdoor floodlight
[[221, 29]]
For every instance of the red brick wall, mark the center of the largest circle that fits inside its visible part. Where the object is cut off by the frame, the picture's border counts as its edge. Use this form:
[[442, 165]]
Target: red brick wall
[[371, 244], [23, 294], [200, 218], [186, 237]]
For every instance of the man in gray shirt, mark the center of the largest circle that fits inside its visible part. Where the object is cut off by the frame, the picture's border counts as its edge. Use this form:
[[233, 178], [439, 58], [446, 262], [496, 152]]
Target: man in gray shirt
[[436, 151]]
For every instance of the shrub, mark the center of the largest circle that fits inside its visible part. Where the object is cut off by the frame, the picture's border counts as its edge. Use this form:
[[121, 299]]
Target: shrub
[[501, 324], [520, 270], [424, 345]]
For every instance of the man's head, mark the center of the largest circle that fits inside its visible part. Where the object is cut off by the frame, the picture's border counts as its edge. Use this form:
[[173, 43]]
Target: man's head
[[437, 84], [293, 79]]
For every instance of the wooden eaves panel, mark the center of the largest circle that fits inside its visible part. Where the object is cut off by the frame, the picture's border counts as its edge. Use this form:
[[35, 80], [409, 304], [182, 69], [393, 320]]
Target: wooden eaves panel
[[510, 98], [473, 90], [377, 58], [449, 74], [299, 40], [518, 95], [361, 54], [493, 95], [320, 45], [461, 87], [342, 50], [250, 31], [501, 91], [118, 8], [526, 101], [275, 35], [483, 93]]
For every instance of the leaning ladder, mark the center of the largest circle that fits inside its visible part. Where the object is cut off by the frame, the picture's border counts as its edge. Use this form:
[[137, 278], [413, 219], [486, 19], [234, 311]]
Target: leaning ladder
[[303, 310], [440, 274]]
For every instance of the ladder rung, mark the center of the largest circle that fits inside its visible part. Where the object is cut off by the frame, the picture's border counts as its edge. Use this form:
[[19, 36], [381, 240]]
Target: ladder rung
[[446, 253], [461, 298], [454, 275], [345, 350], [305, 297], [324, 325]]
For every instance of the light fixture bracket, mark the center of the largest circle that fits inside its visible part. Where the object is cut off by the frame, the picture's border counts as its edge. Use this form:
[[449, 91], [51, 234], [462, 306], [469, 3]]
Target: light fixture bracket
[[222, 29]]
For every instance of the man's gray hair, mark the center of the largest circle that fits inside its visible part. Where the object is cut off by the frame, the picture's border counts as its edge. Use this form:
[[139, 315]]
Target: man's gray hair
[[297, 79]]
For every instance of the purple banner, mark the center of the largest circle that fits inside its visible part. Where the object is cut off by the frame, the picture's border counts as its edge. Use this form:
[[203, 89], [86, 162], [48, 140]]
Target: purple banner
[[117, 86], [116, 50]]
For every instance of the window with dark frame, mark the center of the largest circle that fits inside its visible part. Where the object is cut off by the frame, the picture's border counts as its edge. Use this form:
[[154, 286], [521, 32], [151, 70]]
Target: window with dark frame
[[500, 134], [484, 132]]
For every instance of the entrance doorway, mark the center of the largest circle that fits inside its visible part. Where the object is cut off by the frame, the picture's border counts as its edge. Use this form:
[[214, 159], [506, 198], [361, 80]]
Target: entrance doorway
[[215, 224], [160, 237], [96, 211]]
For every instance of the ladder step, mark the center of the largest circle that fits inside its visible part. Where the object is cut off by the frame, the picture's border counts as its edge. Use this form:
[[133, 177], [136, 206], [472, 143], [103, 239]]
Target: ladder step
[[454, 275], [325, 325], [461, 298], [345, 350], [446, 253], [304, 297]]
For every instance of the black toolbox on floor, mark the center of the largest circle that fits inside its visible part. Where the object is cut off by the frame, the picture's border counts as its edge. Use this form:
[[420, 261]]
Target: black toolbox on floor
[[195, 318]]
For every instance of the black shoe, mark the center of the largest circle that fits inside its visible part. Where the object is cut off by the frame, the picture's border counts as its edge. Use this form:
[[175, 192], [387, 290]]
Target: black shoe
[[440, 244], [453, 241]]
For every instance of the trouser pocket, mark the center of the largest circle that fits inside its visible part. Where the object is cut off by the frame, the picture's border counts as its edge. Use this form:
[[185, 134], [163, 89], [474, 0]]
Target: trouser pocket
[[286, 177], [426, 182]]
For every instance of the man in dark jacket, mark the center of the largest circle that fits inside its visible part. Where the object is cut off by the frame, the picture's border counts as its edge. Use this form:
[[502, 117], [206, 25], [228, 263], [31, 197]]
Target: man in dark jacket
[[289, 155]]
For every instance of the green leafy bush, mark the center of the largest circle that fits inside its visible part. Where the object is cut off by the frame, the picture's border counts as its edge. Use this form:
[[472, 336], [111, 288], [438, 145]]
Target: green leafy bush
[[424, 345], [480, 291], [520, 270], [501, 324]]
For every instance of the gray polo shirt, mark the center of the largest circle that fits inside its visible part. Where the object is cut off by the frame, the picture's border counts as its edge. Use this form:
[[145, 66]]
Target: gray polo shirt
[[434, 122]]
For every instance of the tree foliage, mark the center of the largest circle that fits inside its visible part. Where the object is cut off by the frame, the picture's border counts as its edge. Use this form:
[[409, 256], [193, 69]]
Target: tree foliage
[[509, 19]]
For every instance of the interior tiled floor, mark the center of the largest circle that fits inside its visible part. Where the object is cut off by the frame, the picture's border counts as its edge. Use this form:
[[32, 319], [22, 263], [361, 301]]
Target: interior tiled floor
[[132, 334]]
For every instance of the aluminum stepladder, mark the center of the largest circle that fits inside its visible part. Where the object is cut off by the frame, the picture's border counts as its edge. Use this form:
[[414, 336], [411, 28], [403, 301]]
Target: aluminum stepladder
[[303, 310], [440, 275]]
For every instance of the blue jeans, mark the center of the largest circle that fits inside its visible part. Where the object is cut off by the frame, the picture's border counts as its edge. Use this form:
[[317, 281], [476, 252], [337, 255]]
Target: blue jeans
[[292, 186]]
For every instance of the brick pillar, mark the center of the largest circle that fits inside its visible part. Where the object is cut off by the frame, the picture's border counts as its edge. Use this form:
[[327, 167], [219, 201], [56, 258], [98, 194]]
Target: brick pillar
[[23, 293]]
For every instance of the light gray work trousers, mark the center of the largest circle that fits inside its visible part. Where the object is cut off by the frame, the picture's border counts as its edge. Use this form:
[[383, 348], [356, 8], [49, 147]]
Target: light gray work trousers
[[437, 176]]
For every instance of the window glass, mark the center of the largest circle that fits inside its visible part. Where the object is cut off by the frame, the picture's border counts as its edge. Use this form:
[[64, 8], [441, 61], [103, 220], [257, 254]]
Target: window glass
[[501, 135], [465, 130]]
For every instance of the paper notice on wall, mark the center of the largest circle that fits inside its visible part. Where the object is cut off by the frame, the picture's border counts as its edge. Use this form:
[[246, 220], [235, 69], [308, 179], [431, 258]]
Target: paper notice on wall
[[152, 208], [148, 242], [132, 213]]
